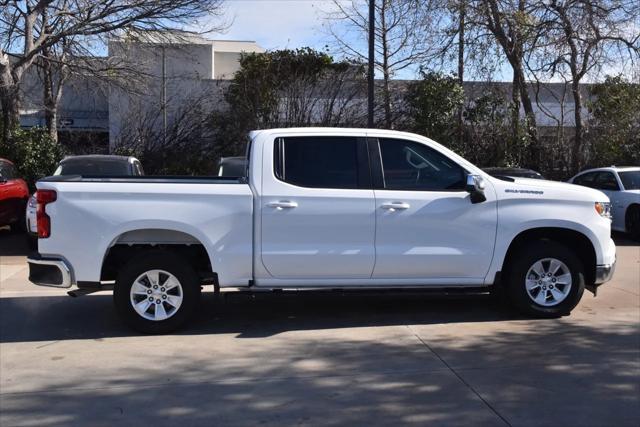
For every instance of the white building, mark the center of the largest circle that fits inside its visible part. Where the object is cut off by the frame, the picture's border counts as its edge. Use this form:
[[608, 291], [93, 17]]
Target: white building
[[163, 72]]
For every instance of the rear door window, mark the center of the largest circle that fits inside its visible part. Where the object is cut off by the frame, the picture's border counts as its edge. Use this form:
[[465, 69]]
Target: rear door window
[[318, 162]]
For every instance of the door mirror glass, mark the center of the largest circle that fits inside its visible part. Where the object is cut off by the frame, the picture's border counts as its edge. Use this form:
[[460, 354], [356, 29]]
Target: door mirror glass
[[475, 187]]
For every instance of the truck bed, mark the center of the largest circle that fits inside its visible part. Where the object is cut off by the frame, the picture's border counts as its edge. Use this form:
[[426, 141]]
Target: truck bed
[[92, 214]]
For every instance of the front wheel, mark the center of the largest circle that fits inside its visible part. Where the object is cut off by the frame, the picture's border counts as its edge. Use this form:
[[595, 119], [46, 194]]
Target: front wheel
[[157, 292], [546, 279]]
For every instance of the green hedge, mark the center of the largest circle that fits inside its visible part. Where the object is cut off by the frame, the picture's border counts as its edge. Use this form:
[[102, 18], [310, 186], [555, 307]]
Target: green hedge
[[34, 153]]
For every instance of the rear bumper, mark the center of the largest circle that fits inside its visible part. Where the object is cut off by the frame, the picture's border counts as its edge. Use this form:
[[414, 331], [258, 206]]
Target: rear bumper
[[49, 272], [604, 273]]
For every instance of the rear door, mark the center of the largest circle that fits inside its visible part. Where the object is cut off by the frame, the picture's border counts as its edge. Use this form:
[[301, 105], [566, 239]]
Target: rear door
[[317, 209]]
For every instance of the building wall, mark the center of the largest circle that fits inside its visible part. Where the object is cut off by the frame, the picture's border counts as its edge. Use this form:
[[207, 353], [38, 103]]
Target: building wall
[[197, 73]]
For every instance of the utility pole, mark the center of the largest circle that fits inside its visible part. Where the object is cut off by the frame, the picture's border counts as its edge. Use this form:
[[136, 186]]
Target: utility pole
[[371, 71], [164, 97], [461, 12]]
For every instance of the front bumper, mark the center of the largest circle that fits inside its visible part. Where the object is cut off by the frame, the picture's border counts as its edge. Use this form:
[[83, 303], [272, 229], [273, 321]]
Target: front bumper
[[49, 272]]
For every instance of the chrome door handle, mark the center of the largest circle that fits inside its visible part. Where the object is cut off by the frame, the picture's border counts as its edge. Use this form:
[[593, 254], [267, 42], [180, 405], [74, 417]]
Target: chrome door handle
[[396, 206], [283, 204]]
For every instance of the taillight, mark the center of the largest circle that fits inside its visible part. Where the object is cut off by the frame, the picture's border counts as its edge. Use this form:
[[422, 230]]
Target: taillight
[[44, 197]]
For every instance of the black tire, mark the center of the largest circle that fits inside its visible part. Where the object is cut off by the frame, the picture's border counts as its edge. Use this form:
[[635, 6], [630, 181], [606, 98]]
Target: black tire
[[157, 260], [516, 276], [632, 222]]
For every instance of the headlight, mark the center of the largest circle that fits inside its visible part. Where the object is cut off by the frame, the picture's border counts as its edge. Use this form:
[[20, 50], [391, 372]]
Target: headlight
[[603, 209]]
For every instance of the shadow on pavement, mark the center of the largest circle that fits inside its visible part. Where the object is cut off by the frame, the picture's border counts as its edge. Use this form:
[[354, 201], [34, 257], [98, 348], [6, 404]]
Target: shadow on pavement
[[266, 314], [13, 244], [578, 374], [622, 239]]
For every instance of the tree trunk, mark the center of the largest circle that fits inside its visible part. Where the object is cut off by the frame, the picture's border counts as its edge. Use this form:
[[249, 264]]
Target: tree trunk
[[576, 158], [532, 127], [515, 114], [461, 71], [387, 101], [10, 101], [50, 108], [386, 73]]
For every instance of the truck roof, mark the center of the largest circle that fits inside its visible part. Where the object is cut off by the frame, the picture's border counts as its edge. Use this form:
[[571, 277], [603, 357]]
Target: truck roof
[[334, 130]]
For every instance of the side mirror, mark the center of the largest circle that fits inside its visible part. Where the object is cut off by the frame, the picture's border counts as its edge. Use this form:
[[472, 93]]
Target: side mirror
[[475, 187]]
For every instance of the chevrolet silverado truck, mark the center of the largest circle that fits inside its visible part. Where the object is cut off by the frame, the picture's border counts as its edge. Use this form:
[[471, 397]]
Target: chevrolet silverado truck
[[322, 209]]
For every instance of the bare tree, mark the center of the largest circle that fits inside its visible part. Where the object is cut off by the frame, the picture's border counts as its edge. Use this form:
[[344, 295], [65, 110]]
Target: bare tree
[[401, 37], [507, 22], [185, 146], [37, 27], [579, 38]]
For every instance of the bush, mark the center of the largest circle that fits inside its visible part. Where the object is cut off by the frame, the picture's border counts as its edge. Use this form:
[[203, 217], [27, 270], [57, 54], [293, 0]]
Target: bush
[[433, 102], [34, 153]]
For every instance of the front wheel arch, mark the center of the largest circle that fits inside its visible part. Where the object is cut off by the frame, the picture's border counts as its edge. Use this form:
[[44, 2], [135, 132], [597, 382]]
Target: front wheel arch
[[575, 240]]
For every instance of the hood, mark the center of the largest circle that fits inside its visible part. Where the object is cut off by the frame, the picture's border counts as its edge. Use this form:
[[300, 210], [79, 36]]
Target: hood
[[550, 189]]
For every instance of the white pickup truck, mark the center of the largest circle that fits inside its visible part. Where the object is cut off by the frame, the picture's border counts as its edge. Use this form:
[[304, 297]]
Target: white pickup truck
[[323, 209]]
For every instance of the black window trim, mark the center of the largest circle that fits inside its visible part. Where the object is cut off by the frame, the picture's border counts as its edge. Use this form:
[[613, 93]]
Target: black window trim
[[375, 152], [364, 166]]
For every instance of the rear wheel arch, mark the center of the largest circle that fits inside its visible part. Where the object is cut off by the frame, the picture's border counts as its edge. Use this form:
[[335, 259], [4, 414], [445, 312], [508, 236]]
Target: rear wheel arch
[[131, 244], [572, 239]]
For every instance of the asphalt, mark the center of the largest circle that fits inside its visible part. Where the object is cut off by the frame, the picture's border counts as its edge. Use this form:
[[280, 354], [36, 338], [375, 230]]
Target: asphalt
[[320, 359]]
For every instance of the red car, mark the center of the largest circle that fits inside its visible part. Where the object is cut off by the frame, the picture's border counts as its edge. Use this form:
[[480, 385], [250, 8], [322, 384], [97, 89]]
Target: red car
[[14, 194]]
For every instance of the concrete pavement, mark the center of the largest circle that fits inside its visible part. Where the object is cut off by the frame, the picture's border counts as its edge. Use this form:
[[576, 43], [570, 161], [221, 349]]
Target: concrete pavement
[[330, 359]]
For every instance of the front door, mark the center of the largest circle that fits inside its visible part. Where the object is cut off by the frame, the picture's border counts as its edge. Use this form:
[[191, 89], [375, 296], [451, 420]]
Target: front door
[[427, 227], [317, 209]]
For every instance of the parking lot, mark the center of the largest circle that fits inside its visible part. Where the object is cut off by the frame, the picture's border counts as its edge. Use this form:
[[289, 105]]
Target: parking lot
[[331, 359]]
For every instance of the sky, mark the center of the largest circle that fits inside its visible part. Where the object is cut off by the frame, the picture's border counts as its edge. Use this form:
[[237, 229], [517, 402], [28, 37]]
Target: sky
[[277, 24], [281, 24]]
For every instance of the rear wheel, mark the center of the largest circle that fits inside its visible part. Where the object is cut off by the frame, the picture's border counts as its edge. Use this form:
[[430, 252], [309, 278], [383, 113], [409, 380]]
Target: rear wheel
[[157, 292], [632, 221], [546, 279]]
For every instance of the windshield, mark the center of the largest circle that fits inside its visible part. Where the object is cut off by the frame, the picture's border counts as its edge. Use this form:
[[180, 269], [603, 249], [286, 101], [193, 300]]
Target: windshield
[[630, 180], [94, 167]]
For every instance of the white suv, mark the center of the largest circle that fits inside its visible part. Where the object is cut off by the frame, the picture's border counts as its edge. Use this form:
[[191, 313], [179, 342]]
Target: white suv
[[622, 185]]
